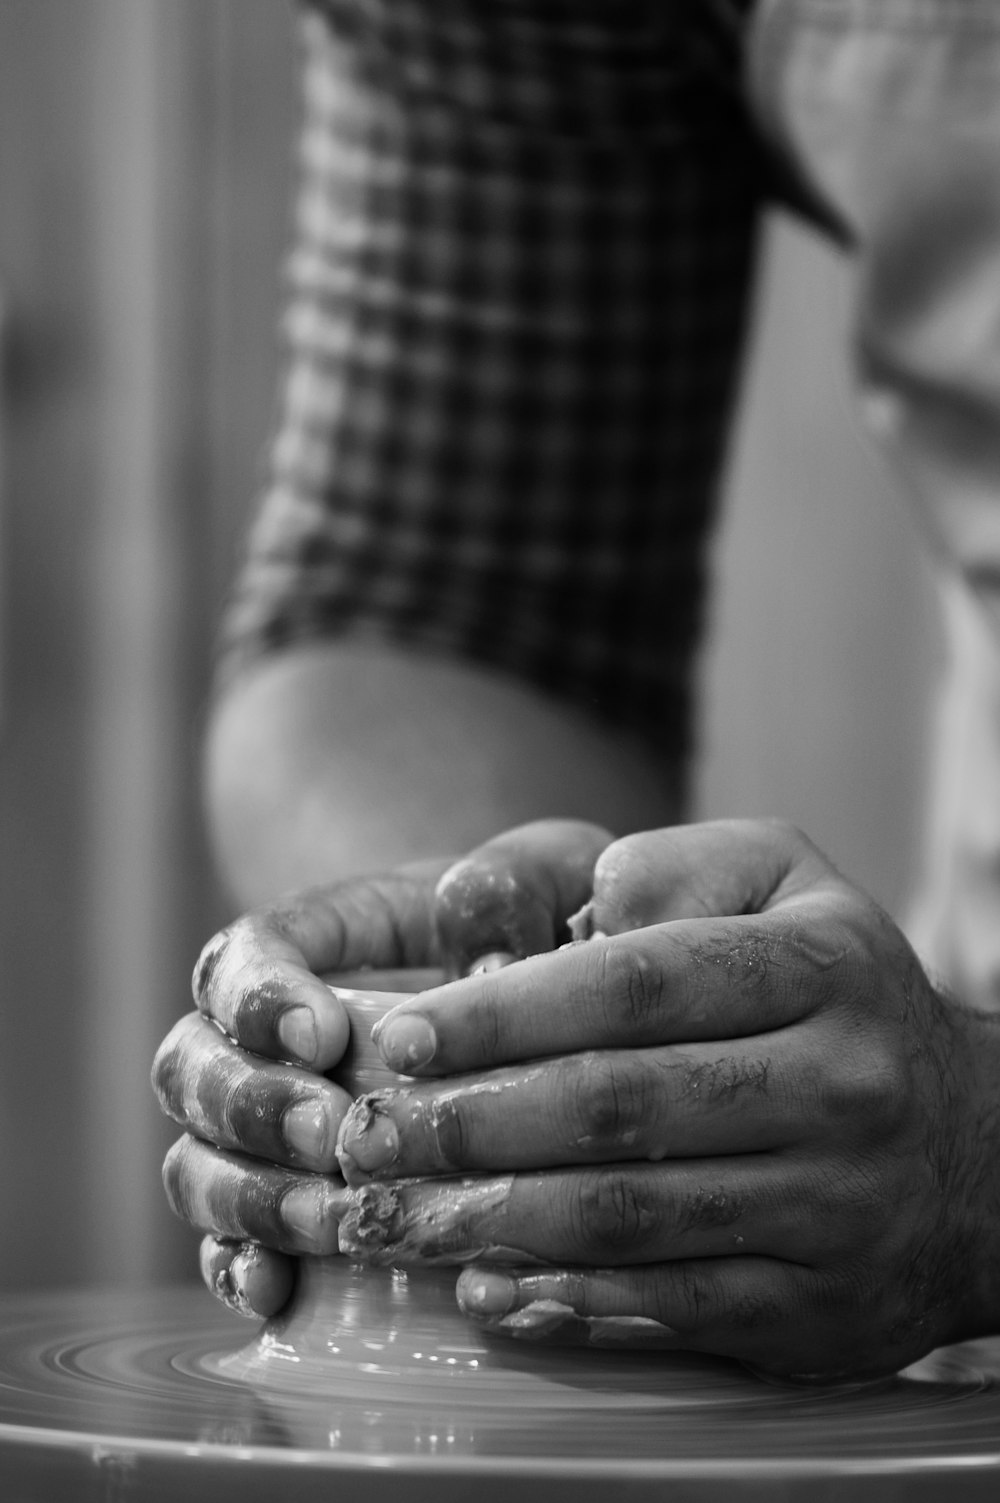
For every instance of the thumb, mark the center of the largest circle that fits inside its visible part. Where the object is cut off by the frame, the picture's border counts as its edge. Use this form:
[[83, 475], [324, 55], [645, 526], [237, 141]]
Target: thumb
[[515, 894], [713, 870]]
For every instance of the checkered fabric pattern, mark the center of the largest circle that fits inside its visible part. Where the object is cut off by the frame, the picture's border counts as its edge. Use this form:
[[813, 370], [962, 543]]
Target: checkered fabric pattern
[[518, 289]]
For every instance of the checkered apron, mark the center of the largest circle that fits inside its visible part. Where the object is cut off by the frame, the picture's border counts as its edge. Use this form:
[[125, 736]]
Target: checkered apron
[[516, 299]]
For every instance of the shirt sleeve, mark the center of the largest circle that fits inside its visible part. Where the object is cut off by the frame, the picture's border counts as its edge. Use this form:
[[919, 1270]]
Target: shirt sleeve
[[516, 300], [890, 109]]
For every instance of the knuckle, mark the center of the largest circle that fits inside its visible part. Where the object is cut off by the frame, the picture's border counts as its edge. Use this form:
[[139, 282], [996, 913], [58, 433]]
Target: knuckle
[[849, 1292], [631, 986], [251, 1108], [207, 966], [448, 1133], [165, 1074], [754, 962], [838, 953], [614, 1215], [228, 977], [176, 1174], [243, 999], [610, 1101], [255, 1201], [866, 1088], [249, 1012], [710, 1206], [805, 952], [488, 1021], [693, 1303], [175, 1064], [718, 1082], [215, 1090], [702, 1302], [755, 1310], [846, 1202]]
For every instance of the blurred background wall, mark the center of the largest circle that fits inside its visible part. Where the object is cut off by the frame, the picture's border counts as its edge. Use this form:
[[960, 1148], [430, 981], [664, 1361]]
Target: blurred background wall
[[144, 185]]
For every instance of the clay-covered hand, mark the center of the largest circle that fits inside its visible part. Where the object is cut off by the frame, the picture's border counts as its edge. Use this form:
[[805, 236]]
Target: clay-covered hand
[[738, 1119], [245, 1074]]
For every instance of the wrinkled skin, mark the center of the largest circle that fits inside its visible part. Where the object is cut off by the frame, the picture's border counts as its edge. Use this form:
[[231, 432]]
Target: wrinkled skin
[[738, 1119]]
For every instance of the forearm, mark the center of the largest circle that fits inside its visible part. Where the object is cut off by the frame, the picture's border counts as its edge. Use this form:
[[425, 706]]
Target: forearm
[[507, 473], [334, 758]]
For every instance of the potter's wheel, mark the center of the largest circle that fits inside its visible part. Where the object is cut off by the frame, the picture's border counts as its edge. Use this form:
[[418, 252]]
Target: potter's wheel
[[374, 1387], [162, 1397]]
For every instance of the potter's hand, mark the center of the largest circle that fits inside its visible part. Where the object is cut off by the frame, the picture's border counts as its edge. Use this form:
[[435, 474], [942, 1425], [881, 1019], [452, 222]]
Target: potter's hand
[[256, 1169], [744, 1123]]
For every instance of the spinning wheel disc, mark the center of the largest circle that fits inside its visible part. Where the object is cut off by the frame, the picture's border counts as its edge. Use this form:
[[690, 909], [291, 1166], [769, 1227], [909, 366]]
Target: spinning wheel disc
[[114, 1397], [373, 1387]]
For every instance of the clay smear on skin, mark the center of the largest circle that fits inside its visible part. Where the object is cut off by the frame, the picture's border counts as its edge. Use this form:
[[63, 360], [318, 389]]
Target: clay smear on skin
[[435, 1111], [419, 1222], [581, 925], [546, 1317]]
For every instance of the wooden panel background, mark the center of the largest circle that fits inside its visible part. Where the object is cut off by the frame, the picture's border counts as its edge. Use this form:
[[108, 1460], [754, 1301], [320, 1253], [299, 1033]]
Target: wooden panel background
[[144, 172], [144, 181]]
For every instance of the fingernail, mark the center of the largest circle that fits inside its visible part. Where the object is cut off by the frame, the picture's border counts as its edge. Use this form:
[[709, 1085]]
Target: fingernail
[[308, 1213], [486, 1293], [405, 1042], [368, 1139], [307, 1131], [297, 1031]]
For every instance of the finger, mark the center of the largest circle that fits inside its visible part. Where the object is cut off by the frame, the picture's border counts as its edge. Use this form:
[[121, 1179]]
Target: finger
[[254, 1281], [259, 978], [246, 1200], [753, 1309], [623, 1214], [238, 1101], [515, 894], [777, 1317], [712, 869], [739, 1096], [693, 979]]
